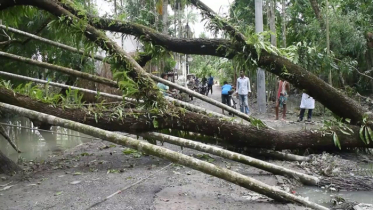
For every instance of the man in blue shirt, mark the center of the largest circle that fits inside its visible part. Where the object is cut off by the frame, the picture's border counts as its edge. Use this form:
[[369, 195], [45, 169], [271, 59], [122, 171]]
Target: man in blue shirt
[[164, 88], [210, 82], [225, 98]]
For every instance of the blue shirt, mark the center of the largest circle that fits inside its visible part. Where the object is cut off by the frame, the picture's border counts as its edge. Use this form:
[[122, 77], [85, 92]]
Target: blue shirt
[[225, 89], [210, 80], [163, 88]]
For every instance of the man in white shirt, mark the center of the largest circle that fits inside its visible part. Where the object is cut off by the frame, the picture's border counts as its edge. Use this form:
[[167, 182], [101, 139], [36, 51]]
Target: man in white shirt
[[243, 89]]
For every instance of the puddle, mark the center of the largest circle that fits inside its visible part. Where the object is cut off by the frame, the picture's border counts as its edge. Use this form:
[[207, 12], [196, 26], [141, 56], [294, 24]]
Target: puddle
[[323, 197]]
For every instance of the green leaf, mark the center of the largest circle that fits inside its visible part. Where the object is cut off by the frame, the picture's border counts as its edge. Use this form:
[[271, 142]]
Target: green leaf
[[361, 134], [370, 133], [366, 134], [336, 140], [155, 123], [344, 132], [58, 193]]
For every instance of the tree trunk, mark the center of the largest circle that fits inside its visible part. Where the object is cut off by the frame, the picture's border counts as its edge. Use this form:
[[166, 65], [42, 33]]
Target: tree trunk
[[316, 9], [328, 40], [283, 23], [261, 78], [272, 22], [233, 134], [7, 166], [208, 168]]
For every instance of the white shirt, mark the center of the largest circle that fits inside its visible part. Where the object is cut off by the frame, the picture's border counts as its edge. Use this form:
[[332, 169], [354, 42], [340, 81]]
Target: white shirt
[[243, 86], [307, 102]]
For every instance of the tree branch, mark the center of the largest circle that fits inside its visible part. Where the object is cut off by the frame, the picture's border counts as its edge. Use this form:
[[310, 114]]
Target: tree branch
[[41, 28], [316, 9]]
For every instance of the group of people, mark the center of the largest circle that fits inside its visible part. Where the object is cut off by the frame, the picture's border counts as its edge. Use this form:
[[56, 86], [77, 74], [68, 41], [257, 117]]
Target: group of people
[[243, 90], [209, 81]]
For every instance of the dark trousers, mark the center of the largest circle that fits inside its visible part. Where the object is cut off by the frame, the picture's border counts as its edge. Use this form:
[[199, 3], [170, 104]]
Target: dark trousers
[[301, 115], [209, 87]]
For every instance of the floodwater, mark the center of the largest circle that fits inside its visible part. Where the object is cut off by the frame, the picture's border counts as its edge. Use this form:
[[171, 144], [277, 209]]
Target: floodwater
[[37, 144], [323, 197]]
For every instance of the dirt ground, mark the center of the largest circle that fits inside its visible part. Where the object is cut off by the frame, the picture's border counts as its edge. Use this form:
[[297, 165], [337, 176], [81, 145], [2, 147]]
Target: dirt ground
[[86, 174]]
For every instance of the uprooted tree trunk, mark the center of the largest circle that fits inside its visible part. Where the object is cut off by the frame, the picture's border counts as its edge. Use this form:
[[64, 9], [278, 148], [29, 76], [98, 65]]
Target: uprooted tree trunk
[[231, 133], [7, 166], [182, 159]]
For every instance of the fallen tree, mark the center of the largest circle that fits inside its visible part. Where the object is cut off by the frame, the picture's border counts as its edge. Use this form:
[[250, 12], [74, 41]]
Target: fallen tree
[[231, 176], [231, 133]]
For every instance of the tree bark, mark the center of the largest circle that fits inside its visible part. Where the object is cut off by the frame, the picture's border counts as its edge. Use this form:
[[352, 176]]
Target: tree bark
[[7, 166], [233, 134], [316, 9], [230, 176], [283, 23]]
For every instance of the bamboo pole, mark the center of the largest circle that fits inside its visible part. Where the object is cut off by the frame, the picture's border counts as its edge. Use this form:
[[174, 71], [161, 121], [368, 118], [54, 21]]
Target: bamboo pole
[[228, 175], [304, 178], [16, 76], [62, 69], [53, 43]]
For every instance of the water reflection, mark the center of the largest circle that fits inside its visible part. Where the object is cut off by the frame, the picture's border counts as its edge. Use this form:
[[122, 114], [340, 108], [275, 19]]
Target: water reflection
[[36, 144]]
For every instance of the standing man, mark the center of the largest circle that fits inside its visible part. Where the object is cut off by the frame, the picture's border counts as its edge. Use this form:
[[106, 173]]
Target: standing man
[[282, 97], [210, 82], [243, 89], [307, 103]]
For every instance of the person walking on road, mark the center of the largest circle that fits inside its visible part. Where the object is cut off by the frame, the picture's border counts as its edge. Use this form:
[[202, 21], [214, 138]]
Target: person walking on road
[[243, 90], [307, 103], [210, 82]]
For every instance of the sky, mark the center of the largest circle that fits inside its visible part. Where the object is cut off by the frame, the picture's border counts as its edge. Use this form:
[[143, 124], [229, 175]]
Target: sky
[[219, 6]]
